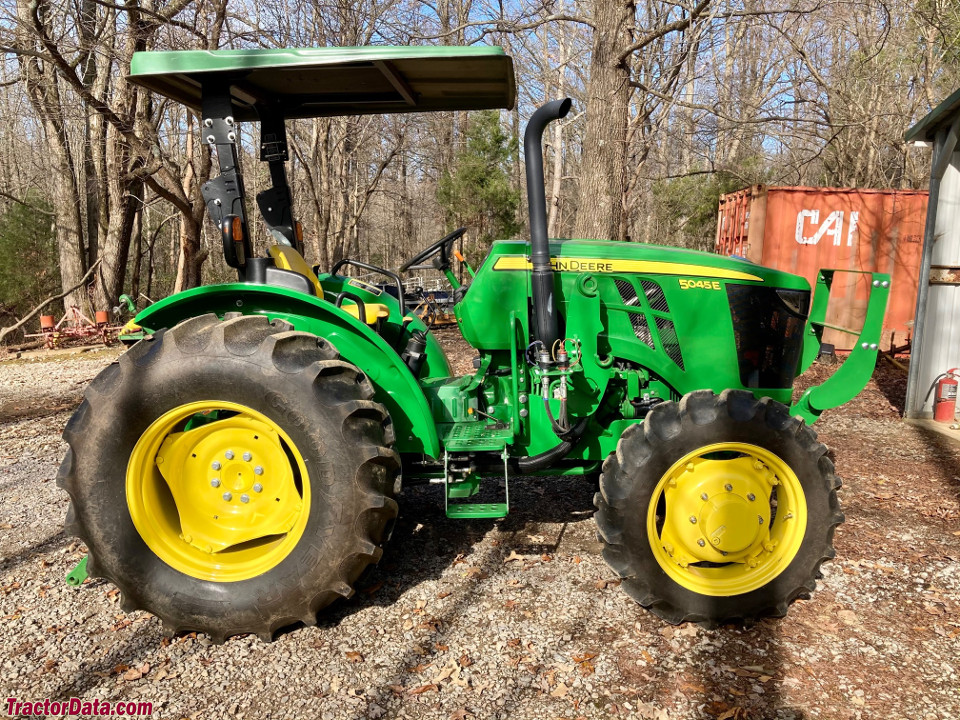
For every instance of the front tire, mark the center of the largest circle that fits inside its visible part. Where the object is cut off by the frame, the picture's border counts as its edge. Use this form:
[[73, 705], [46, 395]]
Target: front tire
[[231, 476], [718, 508]]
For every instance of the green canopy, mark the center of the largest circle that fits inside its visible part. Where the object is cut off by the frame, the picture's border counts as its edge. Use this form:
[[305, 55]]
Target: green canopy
[[317, 82]]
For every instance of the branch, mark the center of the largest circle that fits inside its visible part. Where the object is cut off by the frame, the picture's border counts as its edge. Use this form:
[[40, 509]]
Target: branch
[[17, 200], [660, 32], [29, 316], [746, 121]]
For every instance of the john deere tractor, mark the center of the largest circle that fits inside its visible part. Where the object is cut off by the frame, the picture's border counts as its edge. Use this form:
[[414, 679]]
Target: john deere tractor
[[237, 469]]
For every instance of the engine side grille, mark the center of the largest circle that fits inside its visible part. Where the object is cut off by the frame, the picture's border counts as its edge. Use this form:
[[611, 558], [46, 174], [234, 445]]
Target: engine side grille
[[655, 296], [641, 329], [668, 337], [628, 293]]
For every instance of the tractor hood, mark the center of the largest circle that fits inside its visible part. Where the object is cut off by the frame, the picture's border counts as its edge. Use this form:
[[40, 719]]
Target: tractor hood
[[605, 257]]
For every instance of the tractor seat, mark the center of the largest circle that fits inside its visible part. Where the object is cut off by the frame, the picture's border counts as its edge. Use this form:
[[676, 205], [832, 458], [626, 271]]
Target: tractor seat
[[287, 258]]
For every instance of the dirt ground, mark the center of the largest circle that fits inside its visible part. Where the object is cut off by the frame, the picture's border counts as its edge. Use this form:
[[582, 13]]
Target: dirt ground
[[516, 618]]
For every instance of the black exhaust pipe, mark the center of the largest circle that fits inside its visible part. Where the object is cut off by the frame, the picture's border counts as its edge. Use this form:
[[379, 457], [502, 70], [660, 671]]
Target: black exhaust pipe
[[544, 308]]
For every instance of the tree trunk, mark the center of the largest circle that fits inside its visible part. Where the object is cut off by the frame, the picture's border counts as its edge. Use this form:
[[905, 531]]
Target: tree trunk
[[604, 145]]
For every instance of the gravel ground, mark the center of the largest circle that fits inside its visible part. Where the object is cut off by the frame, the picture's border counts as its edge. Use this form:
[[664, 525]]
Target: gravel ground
[[518, 618]]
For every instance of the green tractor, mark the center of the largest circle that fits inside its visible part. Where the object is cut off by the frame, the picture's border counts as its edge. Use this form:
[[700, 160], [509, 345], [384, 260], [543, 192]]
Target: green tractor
[[236, 471]]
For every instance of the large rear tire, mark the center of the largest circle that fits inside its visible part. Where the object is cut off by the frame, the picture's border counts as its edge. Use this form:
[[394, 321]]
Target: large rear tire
[[231, 476], [718, 508]]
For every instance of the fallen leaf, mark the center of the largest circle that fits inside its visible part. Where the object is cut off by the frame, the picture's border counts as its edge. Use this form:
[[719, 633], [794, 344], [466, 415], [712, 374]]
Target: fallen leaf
[[546, 558], [440, 648], [442, 595], [429, 687], [476, 572], [513, 556], [583, 658], [353, 656], [419, 668], [603, 584], [560, 691], [465, 661], [444, 674], [373, 588], [510, 604], [461, 714]]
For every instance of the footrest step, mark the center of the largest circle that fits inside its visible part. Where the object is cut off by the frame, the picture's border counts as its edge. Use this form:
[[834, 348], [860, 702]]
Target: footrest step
[[478, 510]]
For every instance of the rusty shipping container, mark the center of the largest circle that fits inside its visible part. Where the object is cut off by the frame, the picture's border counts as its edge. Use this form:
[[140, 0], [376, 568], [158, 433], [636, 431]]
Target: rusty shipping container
[[803, 229]]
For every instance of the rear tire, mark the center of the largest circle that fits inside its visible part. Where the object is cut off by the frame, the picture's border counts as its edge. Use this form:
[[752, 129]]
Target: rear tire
[[680, 496], [334, 473]]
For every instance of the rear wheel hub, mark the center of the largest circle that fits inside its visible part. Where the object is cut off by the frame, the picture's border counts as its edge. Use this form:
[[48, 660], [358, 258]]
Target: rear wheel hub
[[217, 490]]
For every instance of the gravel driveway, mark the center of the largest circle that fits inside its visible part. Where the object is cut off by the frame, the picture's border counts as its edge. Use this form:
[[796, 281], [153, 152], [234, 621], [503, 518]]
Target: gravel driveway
[[518, 618]]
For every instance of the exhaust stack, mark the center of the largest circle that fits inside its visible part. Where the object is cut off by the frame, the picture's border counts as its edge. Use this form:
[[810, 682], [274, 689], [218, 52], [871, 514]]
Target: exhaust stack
[[544, 307]]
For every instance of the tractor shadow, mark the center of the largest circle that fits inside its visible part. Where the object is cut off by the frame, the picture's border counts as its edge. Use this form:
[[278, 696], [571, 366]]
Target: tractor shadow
[[425, 542], [732, 671]]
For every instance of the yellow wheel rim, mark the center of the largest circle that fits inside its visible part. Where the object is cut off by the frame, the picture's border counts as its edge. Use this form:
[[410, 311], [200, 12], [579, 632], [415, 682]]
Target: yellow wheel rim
[[726, 519], [218, 491]]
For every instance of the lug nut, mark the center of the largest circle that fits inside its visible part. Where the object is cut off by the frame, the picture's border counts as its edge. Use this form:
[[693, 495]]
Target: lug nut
[[257, 487], [247, 457], [760, 518], [215, 483], [751, 497], [258, 470], [216, 465], [228, 496], [701, 542], [244, 498], [228, 454], [704, 496], [690, 467], [728, 487], [693, 519]]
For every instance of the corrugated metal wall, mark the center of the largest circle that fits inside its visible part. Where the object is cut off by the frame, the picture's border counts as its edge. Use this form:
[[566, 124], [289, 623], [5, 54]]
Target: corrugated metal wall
[[940, 344], [802, 229]]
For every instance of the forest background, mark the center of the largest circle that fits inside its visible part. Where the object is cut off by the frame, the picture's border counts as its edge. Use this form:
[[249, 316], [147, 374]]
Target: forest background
[[674, 104]]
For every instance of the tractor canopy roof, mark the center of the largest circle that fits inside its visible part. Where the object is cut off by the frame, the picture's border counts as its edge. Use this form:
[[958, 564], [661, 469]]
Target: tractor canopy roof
[[319, 82]]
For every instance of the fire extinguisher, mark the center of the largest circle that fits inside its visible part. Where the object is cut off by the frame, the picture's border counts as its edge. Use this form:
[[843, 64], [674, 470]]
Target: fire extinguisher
[[945, 400]]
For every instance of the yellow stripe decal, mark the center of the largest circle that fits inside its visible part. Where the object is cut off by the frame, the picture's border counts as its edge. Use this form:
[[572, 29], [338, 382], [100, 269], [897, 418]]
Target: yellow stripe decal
[[603, 265]]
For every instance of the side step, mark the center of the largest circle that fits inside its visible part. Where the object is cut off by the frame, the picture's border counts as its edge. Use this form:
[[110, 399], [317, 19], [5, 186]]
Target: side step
[[457, 490]]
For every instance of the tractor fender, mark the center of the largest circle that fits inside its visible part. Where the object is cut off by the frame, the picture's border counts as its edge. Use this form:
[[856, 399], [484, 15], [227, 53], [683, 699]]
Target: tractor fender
[[357, 343]]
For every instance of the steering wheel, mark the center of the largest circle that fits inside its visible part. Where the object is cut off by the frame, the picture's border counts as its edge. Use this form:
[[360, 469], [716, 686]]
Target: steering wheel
[[444, 245]]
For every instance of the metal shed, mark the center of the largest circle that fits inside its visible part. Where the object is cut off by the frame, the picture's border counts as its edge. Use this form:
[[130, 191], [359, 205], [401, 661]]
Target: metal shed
[[936, 337]]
